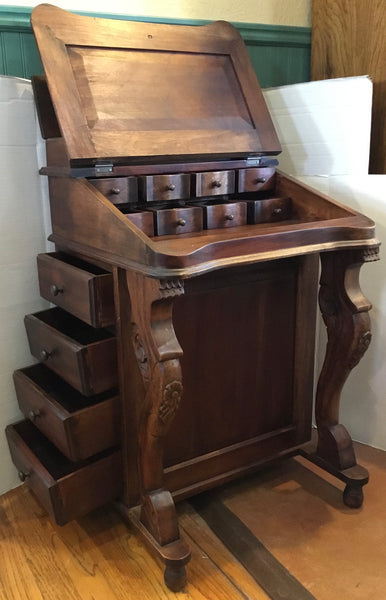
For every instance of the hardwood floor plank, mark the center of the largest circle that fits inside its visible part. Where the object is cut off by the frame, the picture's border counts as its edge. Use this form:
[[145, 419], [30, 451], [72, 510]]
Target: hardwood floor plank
[[214, 550], [98, 557]]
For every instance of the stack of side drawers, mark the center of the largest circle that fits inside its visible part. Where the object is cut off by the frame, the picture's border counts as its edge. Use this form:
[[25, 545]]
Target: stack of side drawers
[[67, 449]]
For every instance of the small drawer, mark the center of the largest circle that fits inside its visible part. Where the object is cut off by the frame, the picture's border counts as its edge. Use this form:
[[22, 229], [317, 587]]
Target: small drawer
[[142, 219], [81, 288], [65, 489], [156, 188], [270, 210], [169, 221], [215, 183], [78, 426], [85, 357], [230, 214], [119, 190], [256, 179]]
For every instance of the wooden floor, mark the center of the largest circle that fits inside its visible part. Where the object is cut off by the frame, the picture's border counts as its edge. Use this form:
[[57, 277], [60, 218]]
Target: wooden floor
[[336, 553]]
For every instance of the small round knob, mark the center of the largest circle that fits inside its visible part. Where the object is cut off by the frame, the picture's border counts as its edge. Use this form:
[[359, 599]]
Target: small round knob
[[261, 180], [115, 191], [181, 222], [34, 414], [216, 183], [170, 187], [229, 217], [55, 290], [277, 211], [45, 355], [23, 476]]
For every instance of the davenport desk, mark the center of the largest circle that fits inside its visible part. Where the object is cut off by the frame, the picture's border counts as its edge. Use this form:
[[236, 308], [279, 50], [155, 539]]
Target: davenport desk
[[180, 353]]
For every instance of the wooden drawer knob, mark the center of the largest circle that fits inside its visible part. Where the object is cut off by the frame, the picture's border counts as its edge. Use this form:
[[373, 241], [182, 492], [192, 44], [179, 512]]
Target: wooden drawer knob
[[23, 476], [34, 414], [216, 183], [45, 355], [261, 180], [170, 187], [115, 191], [55, 290], [181, 222], [277, 211], [229, 217]]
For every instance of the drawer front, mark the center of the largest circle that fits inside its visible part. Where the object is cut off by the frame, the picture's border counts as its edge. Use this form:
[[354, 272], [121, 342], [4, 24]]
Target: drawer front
[[171, 221], [144, 220], [119, 190], [256, 179], [78, 426], [215, 183], [225, 215], [270, 210], [157, 188], [88, 365], [65, 490], [80, 288]]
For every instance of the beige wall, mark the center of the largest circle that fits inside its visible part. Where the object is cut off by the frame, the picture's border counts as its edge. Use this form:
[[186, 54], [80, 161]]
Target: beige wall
[[277, 12]]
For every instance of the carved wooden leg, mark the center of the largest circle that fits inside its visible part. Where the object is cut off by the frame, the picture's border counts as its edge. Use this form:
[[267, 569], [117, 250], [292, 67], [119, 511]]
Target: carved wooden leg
[[345, 313], [157, 351]]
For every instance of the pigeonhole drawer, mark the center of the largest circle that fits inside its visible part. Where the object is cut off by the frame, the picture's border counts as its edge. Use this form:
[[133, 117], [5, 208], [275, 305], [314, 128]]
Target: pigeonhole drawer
[[66, 490], [85, 357], [79, 426], [81, 288], [143, 219], [119, 190], [229, 214], [270, 210], [215, 183], [159, 188], [256, 179], [169, 221]]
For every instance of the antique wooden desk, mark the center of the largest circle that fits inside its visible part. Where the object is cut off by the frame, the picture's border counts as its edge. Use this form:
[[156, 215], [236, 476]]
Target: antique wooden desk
[[180, 354]]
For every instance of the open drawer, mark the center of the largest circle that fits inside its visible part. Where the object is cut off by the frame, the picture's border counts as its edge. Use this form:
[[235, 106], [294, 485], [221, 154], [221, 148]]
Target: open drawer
[[83, 289], [79, 426], [67, 491], [85, 357]]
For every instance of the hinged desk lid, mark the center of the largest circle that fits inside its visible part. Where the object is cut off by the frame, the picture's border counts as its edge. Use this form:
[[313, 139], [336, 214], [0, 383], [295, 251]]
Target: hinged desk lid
[[124, 90]]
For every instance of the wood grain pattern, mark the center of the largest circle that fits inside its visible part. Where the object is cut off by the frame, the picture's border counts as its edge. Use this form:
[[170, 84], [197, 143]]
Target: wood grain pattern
[[98, 557], [196, 92], [348, 38]]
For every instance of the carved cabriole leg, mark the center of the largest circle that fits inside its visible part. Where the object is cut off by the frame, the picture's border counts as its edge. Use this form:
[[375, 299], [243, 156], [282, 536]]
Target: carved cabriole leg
[[345, 313], [157, 351]]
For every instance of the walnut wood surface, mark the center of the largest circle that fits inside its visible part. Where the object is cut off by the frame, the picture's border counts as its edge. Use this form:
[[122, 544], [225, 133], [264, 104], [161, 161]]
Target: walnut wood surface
[[85, 221], [84, 357], [78, 287], [197, 93], [65, 489], [348, 38], [230, 214], [78, 426], [345, 313]]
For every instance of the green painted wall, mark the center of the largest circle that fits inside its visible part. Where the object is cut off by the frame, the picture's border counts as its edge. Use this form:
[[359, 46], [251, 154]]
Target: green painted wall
[[279, 54]]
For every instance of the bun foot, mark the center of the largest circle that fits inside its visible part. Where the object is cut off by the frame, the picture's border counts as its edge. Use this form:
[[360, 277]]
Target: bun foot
[[353, 496], [175, 578]]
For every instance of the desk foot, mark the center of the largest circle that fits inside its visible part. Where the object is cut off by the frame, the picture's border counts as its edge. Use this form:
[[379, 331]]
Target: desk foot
[[175, 555], [354, 477], [175, 578], [353, 496]]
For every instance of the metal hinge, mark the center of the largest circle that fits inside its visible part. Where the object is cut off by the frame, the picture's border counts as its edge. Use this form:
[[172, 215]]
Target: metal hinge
[[103, 168], [254, 161]]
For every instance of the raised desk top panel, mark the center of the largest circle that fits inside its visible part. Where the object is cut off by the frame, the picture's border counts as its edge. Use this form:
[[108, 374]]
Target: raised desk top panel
[[172, 91]]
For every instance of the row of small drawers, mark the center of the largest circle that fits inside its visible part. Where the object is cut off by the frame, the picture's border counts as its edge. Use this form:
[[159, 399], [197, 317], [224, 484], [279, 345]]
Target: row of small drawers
[[181, 186], [212, 215], [67, 450]]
